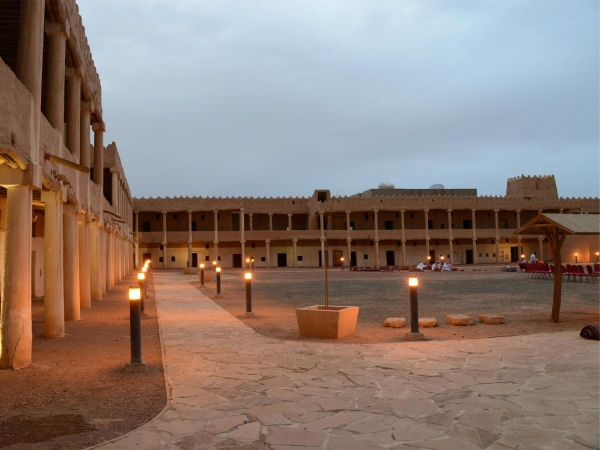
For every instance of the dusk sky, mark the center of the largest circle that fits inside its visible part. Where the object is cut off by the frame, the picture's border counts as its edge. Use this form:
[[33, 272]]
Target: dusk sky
[[279, 98]]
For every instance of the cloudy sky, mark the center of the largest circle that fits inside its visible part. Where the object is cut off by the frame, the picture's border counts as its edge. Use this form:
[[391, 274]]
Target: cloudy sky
[[278, 98]]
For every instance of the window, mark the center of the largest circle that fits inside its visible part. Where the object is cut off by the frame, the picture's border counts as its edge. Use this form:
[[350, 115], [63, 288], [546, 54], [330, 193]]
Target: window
[[366, 257], [430, 224], [322, 197], [206, 258], [207, 247], [202, 217], [467, 224], [493, 255], [218, 258], [366, 216], [399, 244], [158, 217], [172, 258], [371, 243], [353, 243], [452, 225], [480, 255], [412, 215], [160, 259], [389, 225], [397, 215], [487, 255], [161, 247], [299, 258], [194, 226], [489, 214], [414, 243], [442, 226], [253, 245], [352, 225], [146, 227], [174, 216], [263, 259]]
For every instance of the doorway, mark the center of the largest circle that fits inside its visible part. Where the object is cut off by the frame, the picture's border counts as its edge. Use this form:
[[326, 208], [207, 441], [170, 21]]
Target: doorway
[[194, 260], [432, 256], [469, 256], [514, 254], [281, 259], [337, 258], [146, 257], [352, 259], [390, 257], [237, 260]]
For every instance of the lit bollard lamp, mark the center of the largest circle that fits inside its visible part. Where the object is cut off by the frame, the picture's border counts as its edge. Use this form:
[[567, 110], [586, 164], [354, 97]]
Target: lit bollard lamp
[[342, 259], [252, 262], [414, 335], [218, 270], [202, 275], [146, 273], [247, 263], [248, 278], [142, 282], [135, 327]]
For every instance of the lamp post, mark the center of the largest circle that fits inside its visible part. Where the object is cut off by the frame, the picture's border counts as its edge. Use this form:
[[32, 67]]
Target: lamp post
[[142, 282], [201, 275], [342, 259], [414, 335], [442, 258], [135, 328], [575, 258], [218, 270], [248, 278], [428, 260]]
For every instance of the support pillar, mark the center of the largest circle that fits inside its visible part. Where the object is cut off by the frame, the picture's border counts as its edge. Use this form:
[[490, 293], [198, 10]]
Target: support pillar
[[71, 262], [164, 243], [519, 239], [427, 260], [99, 128], [497, 237], [55, 91], [15, 332], [85, 121], [95, 262], [376, 221], [268, 254], [250, 215], [54, 306], [323, 257], [85, 296], [189, 238], [289, 222], [111, 258], [137, 264], [403, 238], [450, 238], [295, 242], [73, 111], [242, 240], [270, 221], [541, 241], [475, 255]]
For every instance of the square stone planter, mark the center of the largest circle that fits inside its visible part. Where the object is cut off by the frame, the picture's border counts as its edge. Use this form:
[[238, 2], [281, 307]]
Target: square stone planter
[[332, 323]]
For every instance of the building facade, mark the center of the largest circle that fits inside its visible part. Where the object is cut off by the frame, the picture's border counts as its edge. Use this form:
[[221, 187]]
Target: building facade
[[65, 205], [377, 228]]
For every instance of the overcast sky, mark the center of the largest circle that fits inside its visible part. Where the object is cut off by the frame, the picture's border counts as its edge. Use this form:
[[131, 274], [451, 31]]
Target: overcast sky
[[279, 98]]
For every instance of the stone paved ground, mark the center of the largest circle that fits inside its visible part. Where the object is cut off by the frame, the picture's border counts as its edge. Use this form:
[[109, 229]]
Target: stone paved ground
[[232, 388]]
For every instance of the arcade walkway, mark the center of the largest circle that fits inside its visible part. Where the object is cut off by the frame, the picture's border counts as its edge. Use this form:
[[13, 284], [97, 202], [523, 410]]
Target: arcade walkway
[[233, 388]]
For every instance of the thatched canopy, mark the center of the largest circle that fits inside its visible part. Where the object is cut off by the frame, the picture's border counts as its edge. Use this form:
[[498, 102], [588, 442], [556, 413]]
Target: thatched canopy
[[556, 227]]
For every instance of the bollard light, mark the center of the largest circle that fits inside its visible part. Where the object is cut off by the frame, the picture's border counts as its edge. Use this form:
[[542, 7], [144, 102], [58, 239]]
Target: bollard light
[[135, 328], [201, 275], [252, 262], [218, 270], [342, 260], [248, 278], [522, 257], [414, 335], [597, 256], [429, 260], [247, 263], [142, 282], [214, 265], [575, 258]]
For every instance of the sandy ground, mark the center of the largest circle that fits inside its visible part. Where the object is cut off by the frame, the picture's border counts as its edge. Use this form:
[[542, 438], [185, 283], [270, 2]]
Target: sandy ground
[[75, 393], [525, 303]]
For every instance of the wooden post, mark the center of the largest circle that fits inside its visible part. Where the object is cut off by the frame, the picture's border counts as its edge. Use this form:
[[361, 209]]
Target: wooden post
[[556, 238]]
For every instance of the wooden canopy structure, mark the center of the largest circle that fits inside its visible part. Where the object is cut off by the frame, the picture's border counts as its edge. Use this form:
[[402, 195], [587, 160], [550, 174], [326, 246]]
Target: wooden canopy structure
[[556, 227]]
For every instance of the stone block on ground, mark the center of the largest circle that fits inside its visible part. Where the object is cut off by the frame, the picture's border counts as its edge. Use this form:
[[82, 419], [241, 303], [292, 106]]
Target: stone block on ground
[[395, 322], [459, 319], [427, 322], [491, 319]]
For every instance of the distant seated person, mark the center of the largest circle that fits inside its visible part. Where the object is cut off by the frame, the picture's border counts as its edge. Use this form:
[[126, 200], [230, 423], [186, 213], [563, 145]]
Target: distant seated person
[[437, 266], [533, 258]]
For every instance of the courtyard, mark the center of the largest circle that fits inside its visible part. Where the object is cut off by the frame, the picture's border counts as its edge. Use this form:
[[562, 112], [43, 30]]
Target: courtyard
[[525, 303], [232, 388]]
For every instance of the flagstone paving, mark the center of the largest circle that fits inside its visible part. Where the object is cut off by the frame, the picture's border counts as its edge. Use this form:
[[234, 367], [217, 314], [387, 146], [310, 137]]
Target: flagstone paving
[[231, 388]]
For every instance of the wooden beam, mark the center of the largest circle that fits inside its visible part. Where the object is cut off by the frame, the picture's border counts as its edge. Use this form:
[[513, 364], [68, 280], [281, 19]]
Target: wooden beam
[[67, 163]]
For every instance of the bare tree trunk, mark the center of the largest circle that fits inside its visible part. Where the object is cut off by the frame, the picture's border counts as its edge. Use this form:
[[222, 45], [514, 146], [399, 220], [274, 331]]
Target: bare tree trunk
[[556, 240]]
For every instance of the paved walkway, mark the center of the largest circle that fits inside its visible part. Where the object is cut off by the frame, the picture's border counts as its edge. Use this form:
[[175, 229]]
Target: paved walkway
[[232, 388]]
